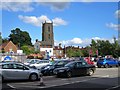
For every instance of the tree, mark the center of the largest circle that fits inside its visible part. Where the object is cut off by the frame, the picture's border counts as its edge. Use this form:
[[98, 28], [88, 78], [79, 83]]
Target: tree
[[27, 49], [20, 38], [0, 39], [5, 40]]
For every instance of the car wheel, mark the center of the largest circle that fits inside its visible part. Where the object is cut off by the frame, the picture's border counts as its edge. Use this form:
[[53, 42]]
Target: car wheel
[[2, 79], [91, 72], [33, 77], [99, 66], [69, 74], [117, 65], [106, 65]]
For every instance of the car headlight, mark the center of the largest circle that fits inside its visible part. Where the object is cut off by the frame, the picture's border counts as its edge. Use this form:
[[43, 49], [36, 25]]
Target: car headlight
[[47, 67]]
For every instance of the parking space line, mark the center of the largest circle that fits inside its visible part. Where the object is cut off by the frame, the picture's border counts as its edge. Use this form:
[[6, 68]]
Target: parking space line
[[11, 86], [64, 79], [113, 87]]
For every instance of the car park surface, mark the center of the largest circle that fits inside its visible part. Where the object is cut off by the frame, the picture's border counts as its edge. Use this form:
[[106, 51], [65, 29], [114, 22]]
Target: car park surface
[[102, 79]]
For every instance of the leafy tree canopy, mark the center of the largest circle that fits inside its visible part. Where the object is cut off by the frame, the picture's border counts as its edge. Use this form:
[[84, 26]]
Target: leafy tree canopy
[[20, 37]]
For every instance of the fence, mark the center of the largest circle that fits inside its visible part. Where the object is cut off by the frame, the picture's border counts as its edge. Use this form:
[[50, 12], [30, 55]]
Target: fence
[[15, 56]]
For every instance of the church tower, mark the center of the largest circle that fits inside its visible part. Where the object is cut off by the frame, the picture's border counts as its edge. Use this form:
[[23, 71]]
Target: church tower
[[47, 35]]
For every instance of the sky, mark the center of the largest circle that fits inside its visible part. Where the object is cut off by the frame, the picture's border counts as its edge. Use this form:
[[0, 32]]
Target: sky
[[75, 23]]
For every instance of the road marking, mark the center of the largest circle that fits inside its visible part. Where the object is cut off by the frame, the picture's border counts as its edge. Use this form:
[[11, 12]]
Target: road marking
[[76, 81], [10, 86], [64, 79], [113, 87], [99, 76]]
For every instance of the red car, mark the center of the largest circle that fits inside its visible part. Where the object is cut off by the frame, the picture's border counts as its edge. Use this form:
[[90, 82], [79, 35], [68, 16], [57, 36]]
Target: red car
[[88, 60]]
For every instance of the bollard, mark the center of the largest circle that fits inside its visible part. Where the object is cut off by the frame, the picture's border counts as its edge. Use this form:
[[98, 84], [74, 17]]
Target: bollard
[[41, 80]]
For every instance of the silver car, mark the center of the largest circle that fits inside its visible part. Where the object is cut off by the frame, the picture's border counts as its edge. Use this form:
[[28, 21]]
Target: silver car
[[13, 71]]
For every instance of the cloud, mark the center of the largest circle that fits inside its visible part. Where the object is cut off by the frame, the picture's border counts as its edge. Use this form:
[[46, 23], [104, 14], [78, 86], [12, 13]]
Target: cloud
[[58, 21], [59, 0], [16, 0], [74, 41], [55, 6], [17, 6], [117, 14], [37, 21], [113, 26], [26, 5], [80, 42]]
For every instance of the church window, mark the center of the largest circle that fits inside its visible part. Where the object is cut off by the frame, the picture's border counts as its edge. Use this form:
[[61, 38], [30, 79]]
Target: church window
[[48, 28], [49, 36]]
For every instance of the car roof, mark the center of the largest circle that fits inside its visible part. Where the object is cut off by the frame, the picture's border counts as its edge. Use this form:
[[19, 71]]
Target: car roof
[[10, 63]]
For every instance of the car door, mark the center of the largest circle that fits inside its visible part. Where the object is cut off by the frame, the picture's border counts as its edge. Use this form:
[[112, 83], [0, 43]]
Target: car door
[[20, 72], [79, 68], [7, 71]]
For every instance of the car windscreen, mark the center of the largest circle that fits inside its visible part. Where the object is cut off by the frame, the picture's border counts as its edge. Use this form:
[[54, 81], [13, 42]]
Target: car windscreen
[[42, 61], [70, 64], [61, 62]]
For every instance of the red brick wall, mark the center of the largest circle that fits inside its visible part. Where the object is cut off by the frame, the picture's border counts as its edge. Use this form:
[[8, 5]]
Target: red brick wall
[[9, 46]]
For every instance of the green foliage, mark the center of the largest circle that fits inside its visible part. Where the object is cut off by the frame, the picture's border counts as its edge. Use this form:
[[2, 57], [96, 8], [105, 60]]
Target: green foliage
[[3, 51], [106, 48], [73, 53], [20, 38], [0, 39], [36, 52], [5, 40], [27, 49]]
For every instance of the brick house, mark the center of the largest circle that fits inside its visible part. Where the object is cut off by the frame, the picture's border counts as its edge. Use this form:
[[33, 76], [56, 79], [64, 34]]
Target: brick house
[[8, 47], [58, 51]]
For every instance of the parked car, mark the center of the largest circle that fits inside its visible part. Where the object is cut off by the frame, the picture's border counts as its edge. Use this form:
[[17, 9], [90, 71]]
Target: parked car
[[40, 64], [14, 71], [75, 68], [31, 61], [88, 60], [107, 62], [48, 69], [119, 62]]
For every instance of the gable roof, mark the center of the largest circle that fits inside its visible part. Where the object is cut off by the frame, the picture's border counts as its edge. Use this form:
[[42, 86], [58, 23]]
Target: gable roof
[[3, 45]]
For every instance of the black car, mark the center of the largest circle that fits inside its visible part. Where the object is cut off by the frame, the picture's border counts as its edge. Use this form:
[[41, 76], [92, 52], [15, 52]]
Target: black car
[[48, 69], [75, 68]]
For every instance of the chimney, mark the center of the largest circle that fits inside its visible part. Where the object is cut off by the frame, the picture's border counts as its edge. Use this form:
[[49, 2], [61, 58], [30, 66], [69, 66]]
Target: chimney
[[36, 40], [60, 45]]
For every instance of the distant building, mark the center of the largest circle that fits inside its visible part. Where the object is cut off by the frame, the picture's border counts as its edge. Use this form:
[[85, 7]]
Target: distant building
[[8, 47], [58, 51], [47, 43], [47, 37]]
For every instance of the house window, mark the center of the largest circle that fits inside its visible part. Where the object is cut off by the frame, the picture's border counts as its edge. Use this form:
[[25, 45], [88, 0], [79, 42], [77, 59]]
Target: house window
[[37, 47]]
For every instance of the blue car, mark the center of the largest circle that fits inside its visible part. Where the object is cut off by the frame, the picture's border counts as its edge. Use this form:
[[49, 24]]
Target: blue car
[[107, 62]]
